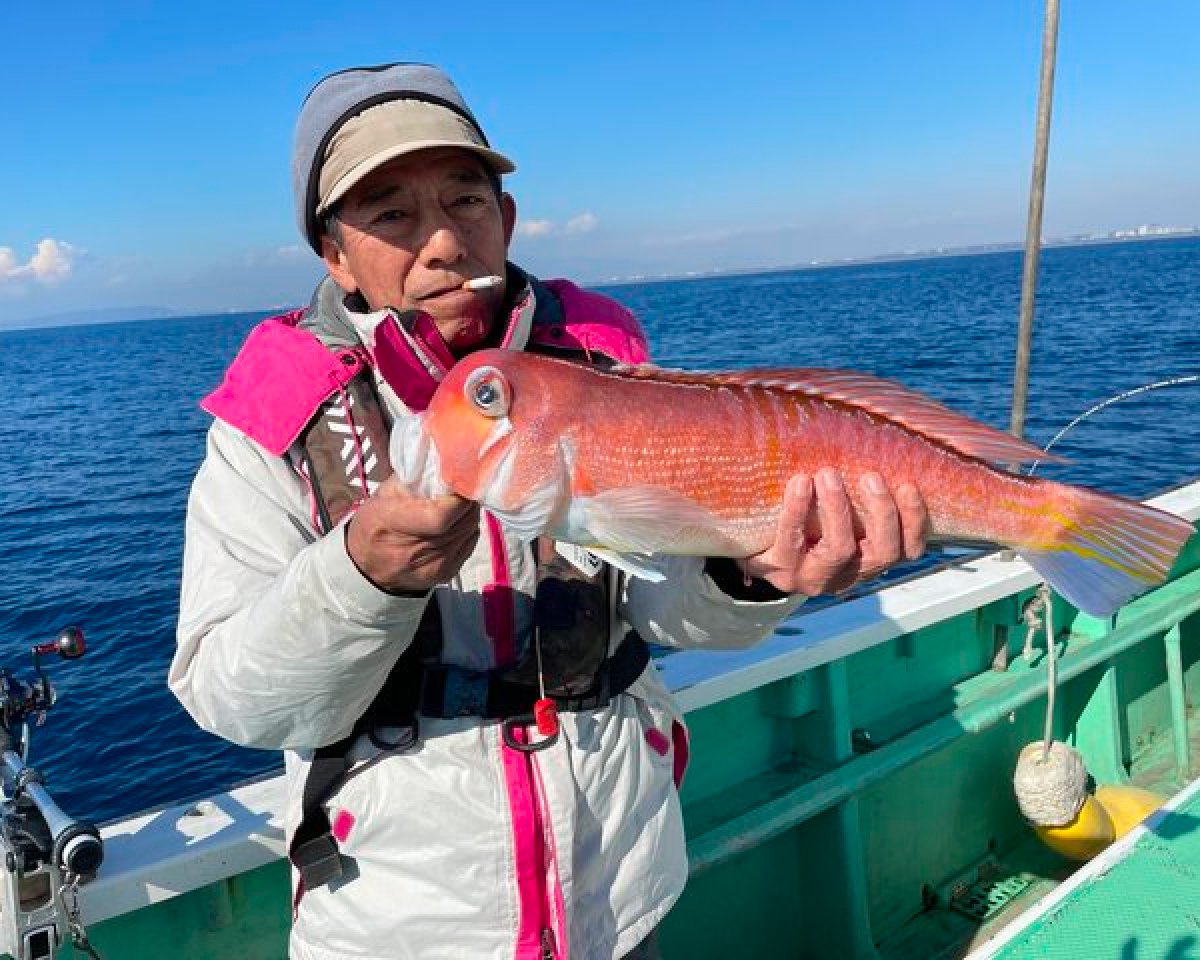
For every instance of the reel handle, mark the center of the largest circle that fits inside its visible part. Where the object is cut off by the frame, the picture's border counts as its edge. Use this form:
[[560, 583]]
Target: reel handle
[[69, 644]]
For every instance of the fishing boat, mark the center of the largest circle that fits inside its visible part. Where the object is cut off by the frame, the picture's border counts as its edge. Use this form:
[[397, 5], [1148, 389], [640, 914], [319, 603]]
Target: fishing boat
[[850, 795]]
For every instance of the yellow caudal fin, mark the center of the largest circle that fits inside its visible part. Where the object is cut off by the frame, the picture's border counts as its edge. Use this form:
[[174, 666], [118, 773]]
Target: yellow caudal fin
[[1109, 551]]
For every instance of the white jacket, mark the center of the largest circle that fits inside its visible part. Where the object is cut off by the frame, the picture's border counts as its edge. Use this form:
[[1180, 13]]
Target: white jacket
[[461, 847]]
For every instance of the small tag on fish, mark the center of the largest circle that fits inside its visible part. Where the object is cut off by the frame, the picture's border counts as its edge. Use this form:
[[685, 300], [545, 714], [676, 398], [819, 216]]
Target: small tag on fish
[[582, 560]]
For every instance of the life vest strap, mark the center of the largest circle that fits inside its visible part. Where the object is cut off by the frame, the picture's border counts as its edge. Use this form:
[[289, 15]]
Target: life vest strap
[[418, 690]]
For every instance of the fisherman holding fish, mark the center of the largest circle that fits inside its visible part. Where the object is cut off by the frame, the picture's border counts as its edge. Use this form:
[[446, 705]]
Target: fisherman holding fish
[[481, 760]]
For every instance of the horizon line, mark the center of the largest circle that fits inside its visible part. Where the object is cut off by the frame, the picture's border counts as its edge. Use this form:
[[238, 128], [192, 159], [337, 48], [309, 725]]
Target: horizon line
[[48, 321]]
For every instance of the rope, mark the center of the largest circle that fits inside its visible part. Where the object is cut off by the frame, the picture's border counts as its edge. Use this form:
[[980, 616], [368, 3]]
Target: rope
[[1051, 671], [1051, 779], [1038, 604], [1031, 614]]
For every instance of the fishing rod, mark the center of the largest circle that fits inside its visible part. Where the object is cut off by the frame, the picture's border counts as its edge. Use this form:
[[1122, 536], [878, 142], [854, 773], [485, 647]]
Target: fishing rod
[[1033, 229], [46, 853]]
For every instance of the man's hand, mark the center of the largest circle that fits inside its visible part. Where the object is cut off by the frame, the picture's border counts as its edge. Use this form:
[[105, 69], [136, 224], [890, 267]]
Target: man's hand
[[823, 545], [408, 544]]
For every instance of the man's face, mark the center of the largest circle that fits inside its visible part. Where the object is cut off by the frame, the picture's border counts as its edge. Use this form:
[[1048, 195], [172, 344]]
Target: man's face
[[414, 230]]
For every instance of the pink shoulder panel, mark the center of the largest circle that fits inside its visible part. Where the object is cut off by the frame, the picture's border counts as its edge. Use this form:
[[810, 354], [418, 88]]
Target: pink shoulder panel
[[278, 380], [593, 321]]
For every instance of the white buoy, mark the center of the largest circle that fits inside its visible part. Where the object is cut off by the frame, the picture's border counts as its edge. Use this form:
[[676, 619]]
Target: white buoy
[[1051, 787]]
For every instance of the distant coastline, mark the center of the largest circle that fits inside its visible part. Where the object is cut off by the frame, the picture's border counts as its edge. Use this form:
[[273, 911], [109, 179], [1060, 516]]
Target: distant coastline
[[1134, 235], [87, 318], [1140, 234]]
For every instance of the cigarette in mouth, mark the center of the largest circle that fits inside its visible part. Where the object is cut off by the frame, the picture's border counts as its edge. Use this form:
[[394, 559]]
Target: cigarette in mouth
[[483, 283]]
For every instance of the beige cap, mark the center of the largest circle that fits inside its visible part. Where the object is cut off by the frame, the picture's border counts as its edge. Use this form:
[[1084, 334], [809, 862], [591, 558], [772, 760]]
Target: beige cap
[[393, 129]]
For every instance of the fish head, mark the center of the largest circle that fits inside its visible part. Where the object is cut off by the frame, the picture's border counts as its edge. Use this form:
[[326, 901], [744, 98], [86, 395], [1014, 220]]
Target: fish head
[[487, 422], [469, 424]]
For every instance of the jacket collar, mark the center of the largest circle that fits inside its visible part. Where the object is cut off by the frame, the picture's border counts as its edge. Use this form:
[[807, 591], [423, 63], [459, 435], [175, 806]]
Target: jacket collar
[[405, 347]]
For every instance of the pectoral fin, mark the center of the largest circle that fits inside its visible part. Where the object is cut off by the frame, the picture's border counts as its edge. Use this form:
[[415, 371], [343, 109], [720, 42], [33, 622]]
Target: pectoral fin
[[643, 520]]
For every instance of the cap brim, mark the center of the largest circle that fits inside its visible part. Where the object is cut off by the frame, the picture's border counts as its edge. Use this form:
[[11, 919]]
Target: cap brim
[[497, 161]]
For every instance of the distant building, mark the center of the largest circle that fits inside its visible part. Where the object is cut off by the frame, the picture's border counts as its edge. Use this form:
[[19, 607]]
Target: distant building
[[1150, 230]]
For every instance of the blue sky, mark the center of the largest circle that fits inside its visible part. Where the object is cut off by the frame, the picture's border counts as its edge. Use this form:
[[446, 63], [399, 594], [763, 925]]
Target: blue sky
[[147, 144]]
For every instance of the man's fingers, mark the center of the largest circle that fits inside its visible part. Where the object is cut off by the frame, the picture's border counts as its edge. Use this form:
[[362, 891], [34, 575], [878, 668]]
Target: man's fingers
[[442, 557], [797, 506], [882, 543], [914, 520], [393, 491], [826, 542], [454, 509], [832, 563], [835, 515], [424, 517], [404, 542]]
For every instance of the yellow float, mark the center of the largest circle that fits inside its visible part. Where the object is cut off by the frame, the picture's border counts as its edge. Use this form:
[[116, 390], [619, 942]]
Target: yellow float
[[1051, 787], [1126, 806]]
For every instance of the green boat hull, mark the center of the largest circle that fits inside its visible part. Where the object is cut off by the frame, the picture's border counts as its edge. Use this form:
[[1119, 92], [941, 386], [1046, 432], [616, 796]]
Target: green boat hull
[[850, 793]]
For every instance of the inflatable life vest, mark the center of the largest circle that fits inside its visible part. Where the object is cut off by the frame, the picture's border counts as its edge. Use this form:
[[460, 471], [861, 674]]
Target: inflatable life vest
[[315, 404]]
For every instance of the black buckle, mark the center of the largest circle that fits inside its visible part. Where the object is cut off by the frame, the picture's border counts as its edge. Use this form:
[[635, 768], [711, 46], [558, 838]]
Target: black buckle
[[405, 738], [597, 695], [600, 694], [318, 861], [508, 729]]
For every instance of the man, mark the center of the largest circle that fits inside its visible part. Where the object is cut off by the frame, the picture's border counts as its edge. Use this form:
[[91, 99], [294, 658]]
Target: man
[[480, 761]]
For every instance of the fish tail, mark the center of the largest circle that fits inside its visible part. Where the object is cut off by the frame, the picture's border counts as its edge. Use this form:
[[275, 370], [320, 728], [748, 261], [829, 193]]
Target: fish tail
[[1107, 549]]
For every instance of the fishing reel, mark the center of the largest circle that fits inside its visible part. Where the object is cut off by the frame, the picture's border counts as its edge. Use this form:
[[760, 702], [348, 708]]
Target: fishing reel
[[44, 853]]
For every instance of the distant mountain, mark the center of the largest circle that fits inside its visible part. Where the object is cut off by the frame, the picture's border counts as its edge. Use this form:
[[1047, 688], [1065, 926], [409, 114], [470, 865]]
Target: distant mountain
[[72, 318]]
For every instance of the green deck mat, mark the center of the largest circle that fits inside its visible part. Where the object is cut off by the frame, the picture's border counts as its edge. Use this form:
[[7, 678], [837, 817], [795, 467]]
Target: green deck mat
[[1145, 907]]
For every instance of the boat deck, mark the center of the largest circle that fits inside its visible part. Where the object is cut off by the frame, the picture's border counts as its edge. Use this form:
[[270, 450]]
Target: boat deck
[[1139, 900], [1031, 902]]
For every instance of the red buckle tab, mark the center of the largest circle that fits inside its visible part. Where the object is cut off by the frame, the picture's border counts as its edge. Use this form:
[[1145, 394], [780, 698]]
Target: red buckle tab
[[545, 716]]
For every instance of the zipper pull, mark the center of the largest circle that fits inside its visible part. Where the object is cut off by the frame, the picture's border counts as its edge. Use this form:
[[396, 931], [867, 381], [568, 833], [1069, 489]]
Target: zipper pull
[[545, 715], [548, 945]]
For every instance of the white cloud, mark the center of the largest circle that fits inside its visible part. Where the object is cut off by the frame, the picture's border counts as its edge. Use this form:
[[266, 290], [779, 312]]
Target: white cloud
[[535, 228], [584, 223], [51, 262]]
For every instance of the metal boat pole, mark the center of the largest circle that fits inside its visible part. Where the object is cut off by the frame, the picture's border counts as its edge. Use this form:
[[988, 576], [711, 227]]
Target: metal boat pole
[[1033, 230]]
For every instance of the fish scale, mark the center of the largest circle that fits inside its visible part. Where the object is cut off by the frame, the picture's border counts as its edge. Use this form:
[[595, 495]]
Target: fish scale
[[638, 460]]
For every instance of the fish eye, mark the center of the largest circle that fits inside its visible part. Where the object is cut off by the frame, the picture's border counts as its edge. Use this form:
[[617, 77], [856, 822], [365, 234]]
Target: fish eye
[[487, 390]]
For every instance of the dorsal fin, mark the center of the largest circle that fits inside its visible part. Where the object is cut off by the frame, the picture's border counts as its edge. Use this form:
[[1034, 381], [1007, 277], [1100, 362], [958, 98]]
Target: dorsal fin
[[874, 395]]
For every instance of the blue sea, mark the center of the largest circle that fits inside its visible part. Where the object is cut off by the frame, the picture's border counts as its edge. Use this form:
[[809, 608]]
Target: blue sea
[[101, 434]]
